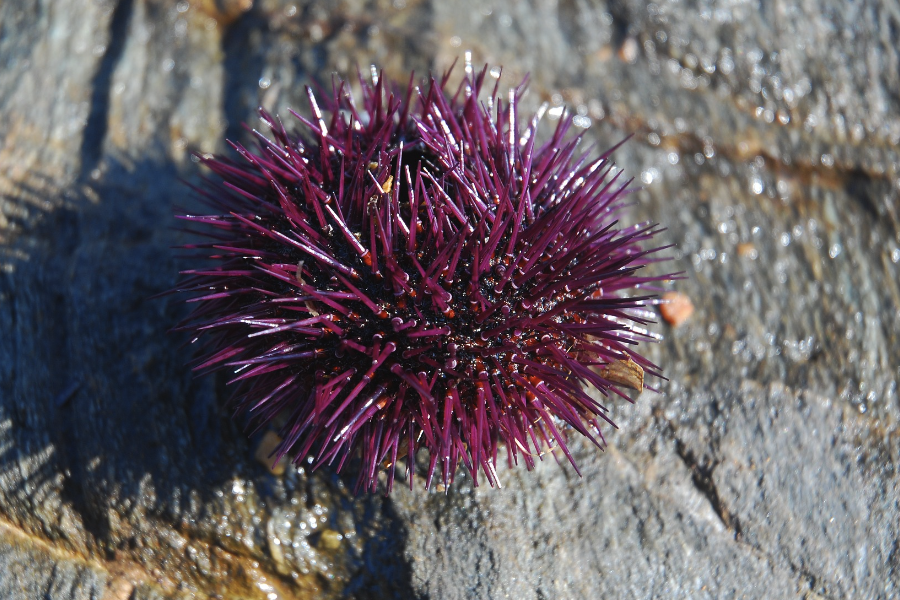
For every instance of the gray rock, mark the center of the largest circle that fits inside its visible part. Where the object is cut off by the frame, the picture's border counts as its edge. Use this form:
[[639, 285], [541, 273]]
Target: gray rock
[[766, 139]]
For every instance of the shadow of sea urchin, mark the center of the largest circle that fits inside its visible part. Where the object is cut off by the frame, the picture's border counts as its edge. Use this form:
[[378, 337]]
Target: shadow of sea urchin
[[417, 272]]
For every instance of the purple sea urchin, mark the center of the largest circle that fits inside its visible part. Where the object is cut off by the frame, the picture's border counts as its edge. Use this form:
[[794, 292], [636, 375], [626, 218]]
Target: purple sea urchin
[[417, 272]]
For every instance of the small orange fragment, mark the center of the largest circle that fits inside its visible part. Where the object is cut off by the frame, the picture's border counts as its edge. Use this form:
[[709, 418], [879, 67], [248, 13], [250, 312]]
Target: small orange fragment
[[747, 250], [676, 309]]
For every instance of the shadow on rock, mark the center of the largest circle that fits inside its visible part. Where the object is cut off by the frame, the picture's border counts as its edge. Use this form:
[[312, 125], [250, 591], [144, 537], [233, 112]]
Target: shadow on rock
[[113, 450]]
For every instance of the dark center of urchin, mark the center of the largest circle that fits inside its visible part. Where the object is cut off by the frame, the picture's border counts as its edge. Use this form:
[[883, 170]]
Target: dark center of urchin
[[437, 324], [419, 274]]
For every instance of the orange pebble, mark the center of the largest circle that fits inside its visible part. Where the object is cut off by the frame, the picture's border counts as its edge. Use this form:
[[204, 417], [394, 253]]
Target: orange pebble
[[677, 309]]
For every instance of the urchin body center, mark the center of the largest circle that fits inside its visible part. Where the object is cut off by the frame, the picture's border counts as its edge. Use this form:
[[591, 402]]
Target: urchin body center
[[451, 331]]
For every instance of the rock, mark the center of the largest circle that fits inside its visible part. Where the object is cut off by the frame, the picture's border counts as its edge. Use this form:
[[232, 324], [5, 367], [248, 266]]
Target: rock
[[765, 467]]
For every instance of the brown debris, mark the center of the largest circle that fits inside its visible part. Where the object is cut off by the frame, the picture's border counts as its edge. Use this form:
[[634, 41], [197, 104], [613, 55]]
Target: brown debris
[[676, 309], [747, 250], [625, 373], [263, 453], [330, 539], [225, 12]]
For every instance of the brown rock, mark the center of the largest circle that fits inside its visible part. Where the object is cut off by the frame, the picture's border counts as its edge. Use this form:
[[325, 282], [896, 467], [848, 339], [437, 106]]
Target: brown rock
[[114, 456]]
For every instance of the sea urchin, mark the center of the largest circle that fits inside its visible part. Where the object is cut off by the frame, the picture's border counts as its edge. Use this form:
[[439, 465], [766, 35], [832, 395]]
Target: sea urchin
[[417, 272]]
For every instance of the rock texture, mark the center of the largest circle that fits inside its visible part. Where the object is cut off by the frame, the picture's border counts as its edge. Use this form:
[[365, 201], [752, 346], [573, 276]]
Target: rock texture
[[766, 139]]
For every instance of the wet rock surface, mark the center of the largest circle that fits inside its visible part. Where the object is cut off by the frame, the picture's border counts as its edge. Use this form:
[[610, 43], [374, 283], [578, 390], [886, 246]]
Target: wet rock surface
[[766, 140]]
